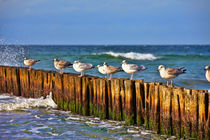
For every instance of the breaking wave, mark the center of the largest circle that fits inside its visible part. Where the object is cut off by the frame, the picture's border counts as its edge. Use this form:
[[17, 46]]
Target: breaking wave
[[9, 103], [131, 55]]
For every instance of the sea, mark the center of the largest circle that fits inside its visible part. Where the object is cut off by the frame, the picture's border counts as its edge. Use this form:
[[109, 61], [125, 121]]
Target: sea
[[22, 118]]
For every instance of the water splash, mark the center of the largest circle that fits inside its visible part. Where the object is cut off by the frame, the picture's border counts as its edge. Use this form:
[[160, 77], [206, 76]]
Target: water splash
[[9, 103], [11, 55]]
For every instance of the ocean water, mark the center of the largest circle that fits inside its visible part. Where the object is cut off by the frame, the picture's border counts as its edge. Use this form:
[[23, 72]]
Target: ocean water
[[38, 118], [22, 118]]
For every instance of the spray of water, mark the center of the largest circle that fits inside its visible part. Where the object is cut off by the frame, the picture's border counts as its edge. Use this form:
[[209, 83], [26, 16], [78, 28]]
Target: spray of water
[[11, 55]]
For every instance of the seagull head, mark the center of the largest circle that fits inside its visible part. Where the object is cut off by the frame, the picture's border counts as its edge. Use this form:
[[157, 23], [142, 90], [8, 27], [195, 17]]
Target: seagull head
[[161, 67], [207, 67], [105, 63], [97, 66], [25, 58], [55, 59], [76, 62], [123, 62]]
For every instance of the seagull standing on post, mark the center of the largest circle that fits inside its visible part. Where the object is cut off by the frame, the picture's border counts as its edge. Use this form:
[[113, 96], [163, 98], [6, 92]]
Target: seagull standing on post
[[111, 69], [170, 73], [82, 67], [132, 68], [61, 64], [30, 62]]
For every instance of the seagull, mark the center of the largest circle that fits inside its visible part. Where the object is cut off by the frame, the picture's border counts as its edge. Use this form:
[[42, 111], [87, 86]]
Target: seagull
[[30, 62], [132, 68], [170, 73], [111, 69], [81, 67], [61, 64], [101, 70], [207, 68]]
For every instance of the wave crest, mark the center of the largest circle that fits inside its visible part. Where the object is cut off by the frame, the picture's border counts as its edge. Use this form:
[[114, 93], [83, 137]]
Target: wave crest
[[18, 103], [131, 55]]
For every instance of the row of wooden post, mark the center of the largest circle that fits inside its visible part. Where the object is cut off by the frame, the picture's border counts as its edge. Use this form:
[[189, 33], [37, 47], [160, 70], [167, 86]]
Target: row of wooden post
[[167, 110]]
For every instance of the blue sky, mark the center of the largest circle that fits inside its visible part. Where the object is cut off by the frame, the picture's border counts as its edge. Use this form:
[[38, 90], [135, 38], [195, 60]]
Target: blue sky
[[105, 21]]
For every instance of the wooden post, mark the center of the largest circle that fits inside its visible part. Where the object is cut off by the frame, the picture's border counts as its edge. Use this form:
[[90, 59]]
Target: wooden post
[[130, 97], [3, 80], [85, 96], [176, 111], [78, 89], [147, 107], [72, 94], [24, 82], [154, 118], [165, 109], [91, 97], [66, 91], [103, 100], [58, 89], [95, 98], [115, 110], [140, 102]]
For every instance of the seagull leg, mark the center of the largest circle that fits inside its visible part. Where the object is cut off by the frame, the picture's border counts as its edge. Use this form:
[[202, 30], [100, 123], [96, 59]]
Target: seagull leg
[[167, 82], [29, 68], [131, 76], [110, 77], [171, 82], [81, 75]]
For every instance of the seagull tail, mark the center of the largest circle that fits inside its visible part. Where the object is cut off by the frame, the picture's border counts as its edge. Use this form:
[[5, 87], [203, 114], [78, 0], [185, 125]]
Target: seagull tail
[[183, 69]]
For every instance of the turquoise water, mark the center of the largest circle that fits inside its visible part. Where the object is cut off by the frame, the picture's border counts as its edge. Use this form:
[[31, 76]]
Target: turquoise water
[[38, 119]]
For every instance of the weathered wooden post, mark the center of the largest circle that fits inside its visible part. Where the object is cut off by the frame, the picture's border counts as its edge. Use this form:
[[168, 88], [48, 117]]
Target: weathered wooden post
[[140, 102], [3, 80], [130, 97], [78, 91], [24, 82], [58, 89], [115, 111], [154, 116], [72, 94], [165, 109], [91, 97], [103, 97], [176, 111], [47, 85], [85, 96], [66, 91]]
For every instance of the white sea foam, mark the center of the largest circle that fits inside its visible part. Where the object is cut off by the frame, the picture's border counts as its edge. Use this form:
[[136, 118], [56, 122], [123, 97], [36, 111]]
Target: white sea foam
[[131, 55], [18, 103]]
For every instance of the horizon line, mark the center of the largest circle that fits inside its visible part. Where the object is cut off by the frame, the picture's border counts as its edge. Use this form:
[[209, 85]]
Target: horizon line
[[105, 44]]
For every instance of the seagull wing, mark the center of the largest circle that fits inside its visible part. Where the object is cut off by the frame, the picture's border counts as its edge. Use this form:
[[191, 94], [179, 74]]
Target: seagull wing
[[172, 71], [133, 66], [64, 63], [114, 69], [85, 66]]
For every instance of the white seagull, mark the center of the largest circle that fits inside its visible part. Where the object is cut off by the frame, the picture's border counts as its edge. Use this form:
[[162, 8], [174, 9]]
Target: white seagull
[[81, 67], [30, 62], [132, 68], [207, 68], [170, 73], [101, 69], [61, 64]]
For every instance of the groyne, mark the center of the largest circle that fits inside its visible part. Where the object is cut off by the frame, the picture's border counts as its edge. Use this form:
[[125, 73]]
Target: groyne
[[164, 109]]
